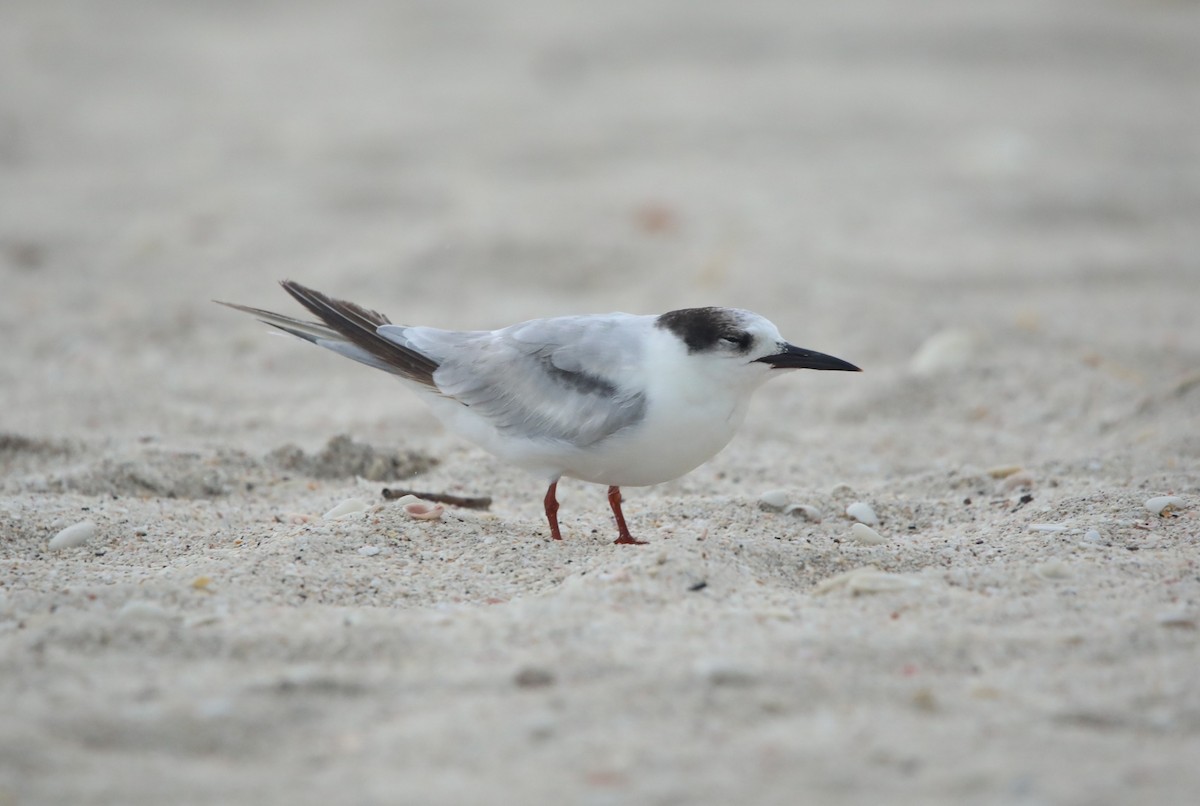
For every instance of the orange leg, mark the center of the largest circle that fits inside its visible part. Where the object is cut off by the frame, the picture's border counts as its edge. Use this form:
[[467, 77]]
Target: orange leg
[[623, 536], [552, 510]]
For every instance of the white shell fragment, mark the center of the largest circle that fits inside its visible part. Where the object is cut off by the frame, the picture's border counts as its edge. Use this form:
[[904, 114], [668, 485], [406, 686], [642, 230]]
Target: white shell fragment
[[1047, 527], [866, 535], [809, 513], [351, 506], [1162, 504], [945, 350], [867, 579], [369, 551], [774, 499], [424, 511], [862, 513], [73, 536]]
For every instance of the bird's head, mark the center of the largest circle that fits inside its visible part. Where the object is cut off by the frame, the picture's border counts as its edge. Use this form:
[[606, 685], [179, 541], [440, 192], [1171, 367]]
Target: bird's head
[[742, 344]]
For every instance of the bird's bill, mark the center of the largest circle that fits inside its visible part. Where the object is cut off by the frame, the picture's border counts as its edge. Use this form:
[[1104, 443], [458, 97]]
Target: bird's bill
[[793, 357]]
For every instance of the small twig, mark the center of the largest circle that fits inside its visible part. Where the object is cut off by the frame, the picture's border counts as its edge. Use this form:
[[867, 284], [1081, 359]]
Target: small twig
[[465, 501]]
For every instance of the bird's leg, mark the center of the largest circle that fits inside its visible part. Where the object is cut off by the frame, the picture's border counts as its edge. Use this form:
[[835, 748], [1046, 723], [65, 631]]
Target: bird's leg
[[623, 536], [552, 510]]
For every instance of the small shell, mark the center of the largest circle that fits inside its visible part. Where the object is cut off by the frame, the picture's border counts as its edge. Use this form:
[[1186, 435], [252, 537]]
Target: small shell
[[862, 513], [1162, 504], [1046, 527], [774, 499], [424, 511], [75, 535], [866, 535], [811, 514], [351, 506]]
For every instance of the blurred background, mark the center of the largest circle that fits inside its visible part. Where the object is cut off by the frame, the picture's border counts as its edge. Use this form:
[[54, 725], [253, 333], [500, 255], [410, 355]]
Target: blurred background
[[1017, 178]]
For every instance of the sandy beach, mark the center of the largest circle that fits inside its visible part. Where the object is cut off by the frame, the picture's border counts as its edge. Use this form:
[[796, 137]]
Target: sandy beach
[[991, 207]]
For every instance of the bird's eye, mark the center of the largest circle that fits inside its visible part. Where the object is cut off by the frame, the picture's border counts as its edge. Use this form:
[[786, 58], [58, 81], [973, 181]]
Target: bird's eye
[[738, 341]]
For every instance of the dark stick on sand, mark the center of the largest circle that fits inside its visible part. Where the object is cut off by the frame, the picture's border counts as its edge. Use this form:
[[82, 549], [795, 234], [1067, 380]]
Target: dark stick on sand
[[467, 502]]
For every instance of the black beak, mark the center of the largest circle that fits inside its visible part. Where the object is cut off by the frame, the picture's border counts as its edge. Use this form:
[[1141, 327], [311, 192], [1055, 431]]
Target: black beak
[[792, 357]]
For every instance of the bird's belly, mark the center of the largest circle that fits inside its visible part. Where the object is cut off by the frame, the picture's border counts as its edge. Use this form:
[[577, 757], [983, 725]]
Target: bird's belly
[[658, 449]]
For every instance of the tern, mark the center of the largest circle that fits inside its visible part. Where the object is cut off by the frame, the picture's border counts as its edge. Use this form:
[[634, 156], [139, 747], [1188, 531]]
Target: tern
[[617, 399]]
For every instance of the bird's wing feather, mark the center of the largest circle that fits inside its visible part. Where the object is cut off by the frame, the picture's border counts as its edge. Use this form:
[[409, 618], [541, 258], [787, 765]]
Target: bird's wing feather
[[553, 379]]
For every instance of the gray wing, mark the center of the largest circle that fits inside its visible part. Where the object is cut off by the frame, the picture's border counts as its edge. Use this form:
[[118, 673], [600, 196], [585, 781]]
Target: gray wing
[[556, 379]]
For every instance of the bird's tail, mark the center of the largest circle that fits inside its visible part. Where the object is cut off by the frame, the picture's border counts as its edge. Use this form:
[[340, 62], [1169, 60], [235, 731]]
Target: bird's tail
[[349, 330]]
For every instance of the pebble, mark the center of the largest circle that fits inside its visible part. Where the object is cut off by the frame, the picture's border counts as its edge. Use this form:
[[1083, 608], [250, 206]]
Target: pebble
[[533, 677], [1022, 479], [369, 551], [866, 535], [805, 511], [863, 513], [77, 534], [1003, 471], [1092, 536], [774, 499], [1176, 618], [1162, 504], [1047, 527], [351, 506]]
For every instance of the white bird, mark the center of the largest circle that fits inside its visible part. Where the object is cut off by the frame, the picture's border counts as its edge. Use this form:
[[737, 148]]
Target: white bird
[[614, 399]]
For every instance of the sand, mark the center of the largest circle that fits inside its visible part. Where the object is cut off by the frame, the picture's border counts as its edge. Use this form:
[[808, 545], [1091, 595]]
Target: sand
[[992, 207]]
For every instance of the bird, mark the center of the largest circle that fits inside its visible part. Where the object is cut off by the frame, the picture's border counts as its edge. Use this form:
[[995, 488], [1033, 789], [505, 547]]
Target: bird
[[617, 399]]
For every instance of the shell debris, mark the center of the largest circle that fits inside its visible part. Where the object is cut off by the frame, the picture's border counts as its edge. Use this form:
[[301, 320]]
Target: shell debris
[[347, 508], [424, 511], [809, 513], [866, 535], [774, 499], [1163, 504], [863, 513], [75, 535]]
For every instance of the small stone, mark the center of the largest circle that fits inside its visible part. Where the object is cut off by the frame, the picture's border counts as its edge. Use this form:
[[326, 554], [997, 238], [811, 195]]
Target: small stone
[[774, 499], [73, 536], [1092, 536], [866, 535], [863, 513], [1047, 527], [1021, 480], [1163, 504], [349, 507], [1176, 618], [1003, 471], [369, 551], [534, 677]]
